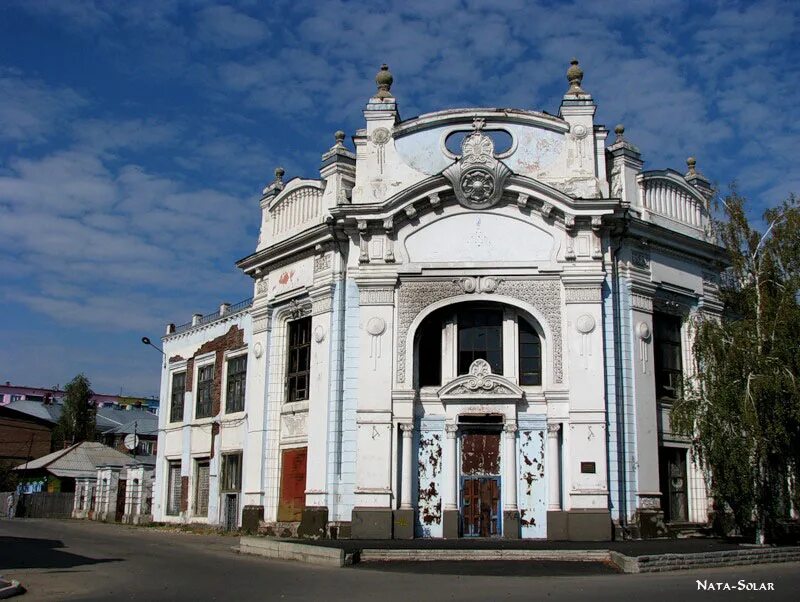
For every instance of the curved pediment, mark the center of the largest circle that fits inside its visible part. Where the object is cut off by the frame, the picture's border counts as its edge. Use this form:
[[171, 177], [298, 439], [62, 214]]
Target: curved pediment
[[480, 383]]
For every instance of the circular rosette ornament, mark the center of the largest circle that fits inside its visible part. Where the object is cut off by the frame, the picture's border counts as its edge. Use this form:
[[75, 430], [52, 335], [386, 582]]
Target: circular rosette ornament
[[478, 186]]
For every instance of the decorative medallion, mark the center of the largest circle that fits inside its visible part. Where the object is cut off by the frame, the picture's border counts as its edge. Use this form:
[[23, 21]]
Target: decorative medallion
[[379, 138], [585, 324], [319, 333], [376, 326], [477, 176], [258, 350]]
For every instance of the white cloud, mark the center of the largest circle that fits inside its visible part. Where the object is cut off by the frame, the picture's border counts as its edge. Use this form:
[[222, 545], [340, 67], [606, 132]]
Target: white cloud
[[225, 27]]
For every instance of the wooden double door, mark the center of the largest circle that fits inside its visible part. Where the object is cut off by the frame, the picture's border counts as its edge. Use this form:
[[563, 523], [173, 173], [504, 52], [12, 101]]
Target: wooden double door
[[480, 483]]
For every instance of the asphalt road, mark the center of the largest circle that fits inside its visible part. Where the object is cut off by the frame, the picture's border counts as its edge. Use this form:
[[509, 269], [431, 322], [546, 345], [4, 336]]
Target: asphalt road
[[81, 560]]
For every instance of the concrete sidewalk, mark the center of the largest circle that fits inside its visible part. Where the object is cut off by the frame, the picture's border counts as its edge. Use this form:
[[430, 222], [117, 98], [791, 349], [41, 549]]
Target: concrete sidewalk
[[626, 556]]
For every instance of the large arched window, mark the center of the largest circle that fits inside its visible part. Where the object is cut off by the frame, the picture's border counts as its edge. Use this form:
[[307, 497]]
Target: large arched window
[[451, 338]]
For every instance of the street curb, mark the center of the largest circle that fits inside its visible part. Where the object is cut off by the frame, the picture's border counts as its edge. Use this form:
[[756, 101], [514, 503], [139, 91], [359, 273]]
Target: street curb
[[652, 563], [12, 589], [287, 550], [377, 555]]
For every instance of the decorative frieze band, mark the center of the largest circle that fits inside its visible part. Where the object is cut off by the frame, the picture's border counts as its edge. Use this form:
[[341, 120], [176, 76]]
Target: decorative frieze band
[[584, 294], [642, 302], [322, 262], [321, 305], [376, 296]]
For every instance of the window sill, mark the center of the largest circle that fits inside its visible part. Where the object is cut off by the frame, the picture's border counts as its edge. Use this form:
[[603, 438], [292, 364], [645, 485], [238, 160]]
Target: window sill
[[291, 407], [233, 417]]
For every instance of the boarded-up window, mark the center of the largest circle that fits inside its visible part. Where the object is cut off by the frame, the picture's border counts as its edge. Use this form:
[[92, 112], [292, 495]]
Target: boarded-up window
[[176, 399], [293, 484], [201, 489], [480, 453], [174, 489]]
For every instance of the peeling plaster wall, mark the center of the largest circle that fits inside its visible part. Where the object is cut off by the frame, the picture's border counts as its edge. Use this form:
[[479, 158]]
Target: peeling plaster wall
[[429, 485], [532, 486]]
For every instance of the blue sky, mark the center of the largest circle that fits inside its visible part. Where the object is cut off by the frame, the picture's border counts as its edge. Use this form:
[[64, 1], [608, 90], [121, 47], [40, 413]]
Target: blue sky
[[136, 136]]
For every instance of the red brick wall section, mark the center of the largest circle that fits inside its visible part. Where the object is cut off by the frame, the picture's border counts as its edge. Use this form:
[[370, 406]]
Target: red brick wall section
[[233, 339], [184, 494]]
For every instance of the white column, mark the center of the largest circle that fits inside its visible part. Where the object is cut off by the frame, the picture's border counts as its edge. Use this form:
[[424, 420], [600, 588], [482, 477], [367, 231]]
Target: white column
[[450, 475], [554, 466], [510, 465], [405, 492]]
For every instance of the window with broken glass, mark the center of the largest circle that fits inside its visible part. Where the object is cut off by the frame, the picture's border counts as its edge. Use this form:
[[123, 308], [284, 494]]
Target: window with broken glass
[[299, 360], [234, 394], [205, 385], [667, 348], [176, 397], [231, 472]]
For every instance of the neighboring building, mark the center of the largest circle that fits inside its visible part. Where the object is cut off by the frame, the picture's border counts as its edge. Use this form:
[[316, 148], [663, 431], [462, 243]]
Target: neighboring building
[[42, 412], [9, 393], [57, 471], [473, 325]]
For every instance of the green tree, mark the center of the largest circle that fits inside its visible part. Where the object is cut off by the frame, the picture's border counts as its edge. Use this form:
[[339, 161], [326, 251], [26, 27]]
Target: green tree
[[742, 407], [78, 414]]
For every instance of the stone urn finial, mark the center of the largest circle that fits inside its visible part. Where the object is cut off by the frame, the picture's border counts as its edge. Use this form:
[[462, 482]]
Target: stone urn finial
[[339, 137], [278, 183], [575, 77], [384, 80], [619, 130], [691, 163]]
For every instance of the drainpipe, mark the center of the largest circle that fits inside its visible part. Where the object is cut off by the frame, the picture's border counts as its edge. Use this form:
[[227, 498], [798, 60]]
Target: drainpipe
[[618, 383]]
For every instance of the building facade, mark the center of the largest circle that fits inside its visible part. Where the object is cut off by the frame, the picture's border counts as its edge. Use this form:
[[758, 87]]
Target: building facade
[[471, 325]]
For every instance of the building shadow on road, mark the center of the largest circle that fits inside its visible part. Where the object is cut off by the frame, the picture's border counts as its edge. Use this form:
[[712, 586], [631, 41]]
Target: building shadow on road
[[496, 568], [33, 553]]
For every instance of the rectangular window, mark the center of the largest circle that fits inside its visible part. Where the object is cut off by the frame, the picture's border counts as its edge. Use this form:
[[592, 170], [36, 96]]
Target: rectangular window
[[201, 476], [299, 360], [176, 397], [232, 472], [205, 385], [480, 336], [234, 393], [667, 348], [174, 489], [530, 355]]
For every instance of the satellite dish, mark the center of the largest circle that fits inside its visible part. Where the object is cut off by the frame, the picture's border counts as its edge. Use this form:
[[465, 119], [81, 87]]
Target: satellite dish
[[131, 441]]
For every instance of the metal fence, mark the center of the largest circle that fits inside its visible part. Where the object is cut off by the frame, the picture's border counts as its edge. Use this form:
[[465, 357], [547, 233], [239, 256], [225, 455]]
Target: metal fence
[[45, 505]]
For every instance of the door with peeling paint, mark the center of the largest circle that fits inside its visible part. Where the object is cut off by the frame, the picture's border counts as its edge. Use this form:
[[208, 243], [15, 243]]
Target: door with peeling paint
[[480, 483], [293, 484]]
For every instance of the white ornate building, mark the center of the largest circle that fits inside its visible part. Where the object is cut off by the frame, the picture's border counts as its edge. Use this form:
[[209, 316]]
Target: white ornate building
[[473, 324]]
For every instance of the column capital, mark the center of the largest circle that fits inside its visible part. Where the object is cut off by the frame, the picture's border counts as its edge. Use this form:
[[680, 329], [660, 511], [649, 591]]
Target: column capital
[[553, 428], [510, 429], [451, 430], [408, 429]]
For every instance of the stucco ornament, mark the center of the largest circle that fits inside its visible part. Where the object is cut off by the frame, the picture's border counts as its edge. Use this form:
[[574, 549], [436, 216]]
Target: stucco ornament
[[319, 333], [585, 324], [258, 350], [477, 176]]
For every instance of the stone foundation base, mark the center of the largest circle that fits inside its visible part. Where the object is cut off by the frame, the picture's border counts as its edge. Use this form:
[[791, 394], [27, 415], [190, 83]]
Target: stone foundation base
[[371, 523], [313, 523], [651, 523], [404, 524], [511, 524], [579, 525], [451, 524], [251, 518]]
